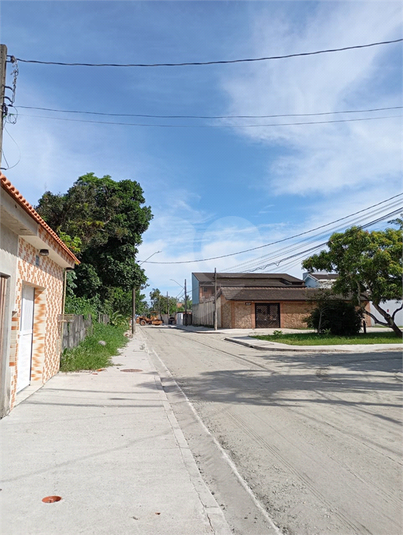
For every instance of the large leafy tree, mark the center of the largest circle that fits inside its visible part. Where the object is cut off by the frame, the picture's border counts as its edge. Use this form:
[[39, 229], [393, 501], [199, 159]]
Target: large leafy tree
[[369, 265], [104, 220]]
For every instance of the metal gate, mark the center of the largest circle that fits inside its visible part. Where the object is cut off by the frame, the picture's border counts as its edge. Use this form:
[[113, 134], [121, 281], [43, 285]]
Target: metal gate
[[267, 315]]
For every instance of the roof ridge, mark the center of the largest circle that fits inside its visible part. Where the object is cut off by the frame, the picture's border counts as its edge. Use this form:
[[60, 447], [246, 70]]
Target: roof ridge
[[17, 196]]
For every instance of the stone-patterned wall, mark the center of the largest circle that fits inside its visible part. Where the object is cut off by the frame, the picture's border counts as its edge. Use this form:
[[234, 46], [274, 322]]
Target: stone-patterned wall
[[242, 315], [47, 278], [292, 314], [226, 319]]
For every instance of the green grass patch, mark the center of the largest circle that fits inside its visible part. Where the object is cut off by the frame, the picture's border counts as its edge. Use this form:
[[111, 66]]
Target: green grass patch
[[313, 339], [89, 354]]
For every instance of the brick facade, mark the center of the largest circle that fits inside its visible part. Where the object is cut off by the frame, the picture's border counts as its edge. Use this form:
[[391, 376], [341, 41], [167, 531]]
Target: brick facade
[[243, 315], [24, 236], [292, 314], [47, 278]]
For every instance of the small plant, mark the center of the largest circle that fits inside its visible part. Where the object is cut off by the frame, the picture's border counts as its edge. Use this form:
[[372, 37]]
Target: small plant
[[277, 333]]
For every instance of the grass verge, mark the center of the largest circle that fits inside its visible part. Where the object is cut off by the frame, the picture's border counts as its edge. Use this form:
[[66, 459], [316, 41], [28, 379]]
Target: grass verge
[[89, 354], [313, 339]]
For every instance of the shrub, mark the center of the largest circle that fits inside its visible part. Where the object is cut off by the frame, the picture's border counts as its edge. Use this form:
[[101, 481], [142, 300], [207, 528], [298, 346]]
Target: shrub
[[338, 317]]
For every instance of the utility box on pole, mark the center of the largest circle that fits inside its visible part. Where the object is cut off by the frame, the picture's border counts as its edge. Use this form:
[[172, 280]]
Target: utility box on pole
[[3, 60]]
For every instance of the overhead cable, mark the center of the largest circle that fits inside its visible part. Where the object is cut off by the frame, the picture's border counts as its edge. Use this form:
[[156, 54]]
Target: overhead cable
[[151, 116], [201, 63], [361, 221], [150, 125], [278, 241], [311, 249]]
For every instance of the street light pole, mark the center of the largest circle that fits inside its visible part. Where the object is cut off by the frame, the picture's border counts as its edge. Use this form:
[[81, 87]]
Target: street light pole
[[134, 297]]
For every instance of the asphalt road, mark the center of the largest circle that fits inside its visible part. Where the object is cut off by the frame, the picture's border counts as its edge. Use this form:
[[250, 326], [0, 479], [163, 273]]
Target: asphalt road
[[292, 443]]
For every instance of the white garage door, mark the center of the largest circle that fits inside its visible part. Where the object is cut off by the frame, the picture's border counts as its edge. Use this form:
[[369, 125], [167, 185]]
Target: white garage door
[[25, 341]]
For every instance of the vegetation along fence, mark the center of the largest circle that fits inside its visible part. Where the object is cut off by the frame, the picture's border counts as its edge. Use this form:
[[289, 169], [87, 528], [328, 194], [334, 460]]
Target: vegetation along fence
[[75, 330]]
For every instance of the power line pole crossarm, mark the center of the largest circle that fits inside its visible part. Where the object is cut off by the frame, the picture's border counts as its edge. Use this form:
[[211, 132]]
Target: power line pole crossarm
[[3, 62]]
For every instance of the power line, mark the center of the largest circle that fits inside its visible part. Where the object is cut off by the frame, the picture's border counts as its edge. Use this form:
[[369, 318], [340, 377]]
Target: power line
[[311, 249], [273, 116], [362, 220], [201, 63], [277, 259], [213, 125], [282, 240]]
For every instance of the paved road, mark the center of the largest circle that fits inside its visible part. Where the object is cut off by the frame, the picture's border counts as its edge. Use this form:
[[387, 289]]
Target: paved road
[[316, 437]]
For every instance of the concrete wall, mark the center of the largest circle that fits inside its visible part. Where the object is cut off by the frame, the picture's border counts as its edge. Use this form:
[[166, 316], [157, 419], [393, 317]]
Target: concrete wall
[[75, 331], [390, 307], [195, 290], [8, 269]]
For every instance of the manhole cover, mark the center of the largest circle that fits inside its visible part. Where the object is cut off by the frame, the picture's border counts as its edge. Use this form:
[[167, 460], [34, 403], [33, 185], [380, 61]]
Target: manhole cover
[[131, 370], [51, 499]]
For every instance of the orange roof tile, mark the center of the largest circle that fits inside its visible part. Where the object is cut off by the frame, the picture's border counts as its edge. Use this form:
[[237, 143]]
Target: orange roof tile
[[16, 195]]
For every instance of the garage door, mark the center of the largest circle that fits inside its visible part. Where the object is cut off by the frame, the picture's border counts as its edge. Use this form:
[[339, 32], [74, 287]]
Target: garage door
[[25, 340]]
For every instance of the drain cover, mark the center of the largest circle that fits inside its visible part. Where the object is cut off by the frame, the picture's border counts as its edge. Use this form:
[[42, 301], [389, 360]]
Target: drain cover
[[131, 370], [51, 499]]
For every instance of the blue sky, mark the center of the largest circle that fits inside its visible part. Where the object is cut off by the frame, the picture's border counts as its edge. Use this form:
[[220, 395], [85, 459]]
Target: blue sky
[[215, 186]]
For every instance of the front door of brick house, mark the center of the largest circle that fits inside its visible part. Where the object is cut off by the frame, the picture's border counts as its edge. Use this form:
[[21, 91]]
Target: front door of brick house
[[25, 340], [267, 315]]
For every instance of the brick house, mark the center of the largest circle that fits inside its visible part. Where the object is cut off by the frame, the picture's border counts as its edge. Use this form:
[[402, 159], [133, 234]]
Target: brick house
[[255, 300], [33, 263], [250, 300]]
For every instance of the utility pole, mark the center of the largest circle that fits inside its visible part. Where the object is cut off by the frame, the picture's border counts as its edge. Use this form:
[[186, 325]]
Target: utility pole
[[186, 306], [134, 311], [215, 299], [3, 60], [167, 306]]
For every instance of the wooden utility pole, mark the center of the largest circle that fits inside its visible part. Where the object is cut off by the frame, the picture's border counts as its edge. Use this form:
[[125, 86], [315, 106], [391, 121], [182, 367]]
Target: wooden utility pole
[[3, 60], [134, 311], [186, 306], [215, 299]]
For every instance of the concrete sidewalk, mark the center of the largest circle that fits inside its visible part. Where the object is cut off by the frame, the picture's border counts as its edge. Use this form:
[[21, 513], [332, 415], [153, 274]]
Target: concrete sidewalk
[[109, 445]]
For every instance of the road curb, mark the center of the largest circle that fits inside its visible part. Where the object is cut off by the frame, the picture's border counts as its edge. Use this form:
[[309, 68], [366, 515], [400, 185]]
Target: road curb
[[275, 346]]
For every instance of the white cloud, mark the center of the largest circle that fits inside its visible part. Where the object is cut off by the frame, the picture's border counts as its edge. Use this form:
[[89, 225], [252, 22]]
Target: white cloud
[[324, 158]]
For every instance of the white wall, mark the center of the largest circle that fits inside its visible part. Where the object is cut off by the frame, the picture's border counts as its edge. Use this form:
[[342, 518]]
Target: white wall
[[389, 306]]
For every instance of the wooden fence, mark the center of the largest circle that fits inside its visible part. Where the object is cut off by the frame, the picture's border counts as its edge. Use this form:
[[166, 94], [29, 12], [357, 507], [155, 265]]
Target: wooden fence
[[203, 314]]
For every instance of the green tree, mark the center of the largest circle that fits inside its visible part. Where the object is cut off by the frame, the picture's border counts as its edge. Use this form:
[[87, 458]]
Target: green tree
[[369, 265], [339, 317], [104, 220], [161, 304]]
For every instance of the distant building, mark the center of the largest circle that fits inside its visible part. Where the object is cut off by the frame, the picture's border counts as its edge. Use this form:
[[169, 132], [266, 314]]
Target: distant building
[[250, 300], [319, 280]]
